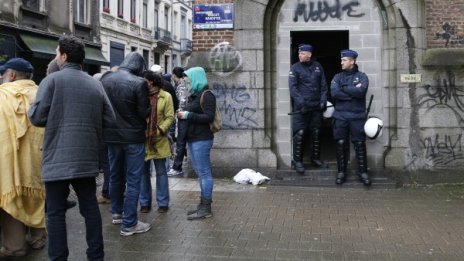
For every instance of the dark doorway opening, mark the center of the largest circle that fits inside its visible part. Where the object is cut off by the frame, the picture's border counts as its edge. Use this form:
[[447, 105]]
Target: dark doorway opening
[[326, 50]]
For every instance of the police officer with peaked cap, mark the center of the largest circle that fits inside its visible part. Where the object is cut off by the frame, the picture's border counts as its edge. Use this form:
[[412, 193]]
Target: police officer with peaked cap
[[308, 90], [349, 90]]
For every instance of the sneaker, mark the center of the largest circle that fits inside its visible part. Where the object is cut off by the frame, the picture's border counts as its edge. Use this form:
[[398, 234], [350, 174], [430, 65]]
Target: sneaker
[[145, 209], [141, 227], [163, 209], [174, 172], [117, 219], [103, 200]]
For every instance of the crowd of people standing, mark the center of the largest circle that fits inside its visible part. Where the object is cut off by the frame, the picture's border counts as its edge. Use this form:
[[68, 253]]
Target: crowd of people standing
[[62, 133]]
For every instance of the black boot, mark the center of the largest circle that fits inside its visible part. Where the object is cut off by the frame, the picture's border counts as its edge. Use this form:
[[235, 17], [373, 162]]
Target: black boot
[[316, 150], [203, 211], [341, 162], [297, 162], [195, 210], [360, 148]]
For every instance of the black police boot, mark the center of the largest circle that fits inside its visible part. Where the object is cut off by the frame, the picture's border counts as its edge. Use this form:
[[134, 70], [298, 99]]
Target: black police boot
[[297, 162], [360, 148], [340, 178], [316, 150]]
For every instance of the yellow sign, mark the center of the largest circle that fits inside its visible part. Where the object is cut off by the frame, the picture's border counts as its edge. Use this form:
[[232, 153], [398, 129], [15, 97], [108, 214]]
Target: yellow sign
[[409, 78]]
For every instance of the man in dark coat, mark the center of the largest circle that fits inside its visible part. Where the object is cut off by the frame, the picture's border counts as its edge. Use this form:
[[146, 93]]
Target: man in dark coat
[[308, 90], [349, 90], [74, 108], [128, 94]]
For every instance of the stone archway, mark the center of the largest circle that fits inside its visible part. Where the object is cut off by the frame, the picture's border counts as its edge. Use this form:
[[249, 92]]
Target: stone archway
[[277, 122]]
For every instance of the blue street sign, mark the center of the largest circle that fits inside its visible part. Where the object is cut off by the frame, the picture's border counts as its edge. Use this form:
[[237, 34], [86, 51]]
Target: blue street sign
[[213, 16]]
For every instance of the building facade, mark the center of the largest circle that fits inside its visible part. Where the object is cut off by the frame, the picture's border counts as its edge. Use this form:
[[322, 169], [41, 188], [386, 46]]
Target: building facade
[[30, 29], [158, 29], [412, 52]]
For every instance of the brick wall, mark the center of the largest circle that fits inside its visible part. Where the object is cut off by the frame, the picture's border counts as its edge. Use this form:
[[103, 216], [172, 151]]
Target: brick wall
[[445, 23], [204, 40]]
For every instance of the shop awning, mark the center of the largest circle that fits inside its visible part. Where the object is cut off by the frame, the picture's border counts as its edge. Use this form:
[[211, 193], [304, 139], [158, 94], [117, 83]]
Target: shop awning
[[45, 48]]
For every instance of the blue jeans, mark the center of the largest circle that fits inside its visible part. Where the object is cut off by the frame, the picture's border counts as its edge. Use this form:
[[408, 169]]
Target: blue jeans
[[162, 184], [127, 162], [56, 196], [199, 152]]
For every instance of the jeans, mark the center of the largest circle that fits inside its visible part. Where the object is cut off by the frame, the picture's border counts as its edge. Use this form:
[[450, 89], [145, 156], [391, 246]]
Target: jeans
[[56, 195], [162, 184], [180, 144], [127, 162], [104, 165], [199, 152]]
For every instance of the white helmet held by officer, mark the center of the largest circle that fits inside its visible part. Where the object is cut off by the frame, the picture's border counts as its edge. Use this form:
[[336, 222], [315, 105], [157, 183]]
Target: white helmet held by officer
[[373, 127]]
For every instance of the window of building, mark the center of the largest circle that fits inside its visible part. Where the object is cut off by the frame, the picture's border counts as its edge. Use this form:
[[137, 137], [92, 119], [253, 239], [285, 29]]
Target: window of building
[[174, 25], [133, 49], [145, 14], [121, 8], [32, 4], [146, 57], [183, 26], [80, 11], [106, 6], [116, 53], [155, 19], [157, 58], [132, 11], [174, 60], [166, 18]]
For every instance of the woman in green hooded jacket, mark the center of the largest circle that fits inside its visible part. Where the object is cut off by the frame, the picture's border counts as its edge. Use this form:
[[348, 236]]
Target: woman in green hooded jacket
[[200, 137]]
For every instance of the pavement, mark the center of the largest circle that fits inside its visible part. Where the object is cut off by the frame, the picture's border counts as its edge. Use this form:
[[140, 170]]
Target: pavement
[[289, 223]]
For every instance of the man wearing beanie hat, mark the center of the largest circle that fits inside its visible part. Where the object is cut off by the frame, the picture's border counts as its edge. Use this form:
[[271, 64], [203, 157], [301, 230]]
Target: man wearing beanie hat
[[22, 193], [349, 90], [308, 90]]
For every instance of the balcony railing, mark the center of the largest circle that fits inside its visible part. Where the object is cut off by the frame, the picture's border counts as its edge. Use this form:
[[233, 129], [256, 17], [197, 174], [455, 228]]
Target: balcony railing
[[162, 35], [185, 46]]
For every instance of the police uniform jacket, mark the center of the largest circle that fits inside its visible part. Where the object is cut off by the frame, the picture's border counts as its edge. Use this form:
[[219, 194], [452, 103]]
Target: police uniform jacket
[[308, 87], [349, 90]]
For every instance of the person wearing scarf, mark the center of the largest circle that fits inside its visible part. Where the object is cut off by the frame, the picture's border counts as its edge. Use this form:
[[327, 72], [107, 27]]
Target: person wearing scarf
[[157, 148], [199, 137]]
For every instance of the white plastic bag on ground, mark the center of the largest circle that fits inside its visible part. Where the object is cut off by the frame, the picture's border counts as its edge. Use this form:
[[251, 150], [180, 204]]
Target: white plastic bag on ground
[[246, 176]]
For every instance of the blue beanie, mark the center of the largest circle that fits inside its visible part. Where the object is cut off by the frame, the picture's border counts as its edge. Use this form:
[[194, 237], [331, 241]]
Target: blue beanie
[[349, 53], [305, 48]]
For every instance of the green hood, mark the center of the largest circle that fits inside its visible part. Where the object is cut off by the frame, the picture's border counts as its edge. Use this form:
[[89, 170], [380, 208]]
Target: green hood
[[198, 80]]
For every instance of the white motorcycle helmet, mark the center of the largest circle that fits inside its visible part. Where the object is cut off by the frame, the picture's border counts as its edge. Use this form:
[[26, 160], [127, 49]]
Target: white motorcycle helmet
[[373, 128], [329, 111]]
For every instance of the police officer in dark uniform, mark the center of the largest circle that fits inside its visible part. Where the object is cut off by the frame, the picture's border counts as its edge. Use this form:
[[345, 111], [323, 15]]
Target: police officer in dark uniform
[[349, 90], [308, 90]]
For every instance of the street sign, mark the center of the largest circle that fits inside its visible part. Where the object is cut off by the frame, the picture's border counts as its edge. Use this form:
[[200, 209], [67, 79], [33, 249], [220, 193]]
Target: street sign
[[213, 16]]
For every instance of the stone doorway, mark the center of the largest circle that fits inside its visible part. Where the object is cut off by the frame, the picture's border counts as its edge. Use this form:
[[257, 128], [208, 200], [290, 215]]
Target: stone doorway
[[327, 45]]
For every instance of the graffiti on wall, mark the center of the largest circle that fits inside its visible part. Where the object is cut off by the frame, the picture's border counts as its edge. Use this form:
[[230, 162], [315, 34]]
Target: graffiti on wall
[[322, 10], [440, 151], [224, 59], [237, 107], [449, 35], [444, 93]]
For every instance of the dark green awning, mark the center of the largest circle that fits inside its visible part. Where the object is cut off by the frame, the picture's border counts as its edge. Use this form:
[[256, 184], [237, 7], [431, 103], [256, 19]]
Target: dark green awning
[[45, 48]]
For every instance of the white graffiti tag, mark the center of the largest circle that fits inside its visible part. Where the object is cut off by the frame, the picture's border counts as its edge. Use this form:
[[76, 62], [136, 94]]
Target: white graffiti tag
[[224, 59]]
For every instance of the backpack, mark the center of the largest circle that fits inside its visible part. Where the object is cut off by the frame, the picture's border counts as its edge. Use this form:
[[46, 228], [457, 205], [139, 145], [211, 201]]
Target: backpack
[[216, 125]]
